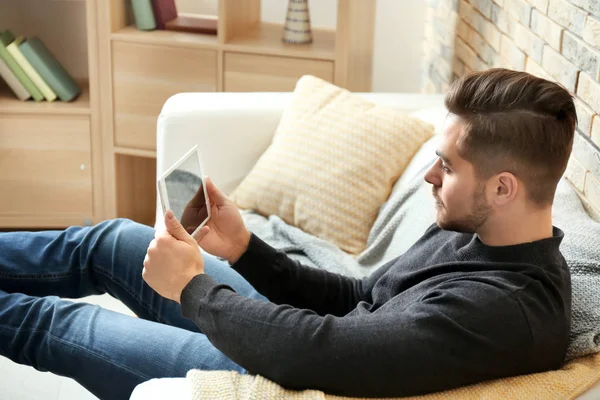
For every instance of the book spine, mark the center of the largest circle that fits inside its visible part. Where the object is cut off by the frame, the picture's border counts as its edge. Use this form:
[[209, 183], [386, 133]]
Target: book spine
[[143, 14], [164, 11], [50, 69], [20, 74], [14, 51], [13, 83]]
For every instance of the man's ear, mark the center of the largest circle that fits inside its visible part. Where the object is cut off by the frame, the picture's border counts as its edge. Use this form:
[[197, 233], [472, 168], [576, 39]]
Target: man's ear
[[506, 186]]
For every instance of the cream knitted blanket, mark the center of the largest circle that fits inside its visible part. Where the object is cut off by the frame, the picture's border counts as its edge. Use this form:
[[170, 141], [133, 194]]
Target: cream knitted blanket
[[566, 383]]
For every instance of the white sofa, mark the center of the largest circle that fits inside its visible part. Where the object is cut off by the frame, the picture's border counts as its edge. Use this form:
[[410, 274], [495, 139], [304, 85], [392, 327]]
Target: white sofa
[[232, 131]]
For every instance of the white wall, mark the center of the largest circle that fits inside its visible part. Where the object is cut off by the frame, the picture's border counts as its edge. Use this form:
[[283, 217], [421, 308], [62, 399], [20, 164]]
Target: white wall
[[399, 35]]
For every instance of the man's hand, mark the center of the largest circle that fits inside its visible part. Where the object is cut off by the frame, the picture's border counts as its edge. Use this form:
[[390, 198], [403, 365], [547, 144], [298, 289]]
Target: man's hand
[[172, 260], [225, 234]]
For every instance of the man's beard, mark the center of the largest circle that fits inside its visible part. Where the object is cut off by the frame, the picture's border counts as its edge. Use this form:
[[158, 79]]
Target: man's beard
[[473, 221]]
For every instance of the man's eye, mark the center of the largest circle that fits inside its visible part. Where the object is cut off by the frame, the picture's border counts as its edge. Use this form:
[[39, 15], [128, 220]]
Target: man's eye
[[444, 168]]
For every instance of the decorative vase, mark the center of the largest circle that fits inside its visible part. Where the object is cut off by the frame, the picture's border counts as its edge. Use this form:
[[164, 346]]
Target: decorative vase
[[297, 23]]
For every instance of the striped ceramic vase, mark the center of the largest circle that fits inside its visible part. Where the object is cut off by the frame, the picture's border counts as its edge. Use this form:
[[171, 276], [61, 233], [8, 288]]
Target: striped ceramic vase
[[297, 23]]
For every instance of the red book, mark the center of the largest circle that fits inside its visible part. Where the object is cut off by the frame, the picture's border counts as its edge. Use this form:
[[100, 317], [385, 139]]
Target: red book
[[193, 24], [164, 11]]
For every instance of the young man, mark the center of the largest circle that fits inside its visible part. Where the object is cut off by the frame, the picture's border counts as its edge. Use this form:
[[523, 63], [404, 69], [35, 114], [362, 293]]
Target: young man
[[483, 294]]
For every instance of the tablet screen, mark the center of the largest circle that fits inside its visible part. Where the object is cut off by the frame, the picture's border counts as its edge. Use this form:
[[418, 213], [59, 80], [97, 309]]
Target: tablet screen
[[186, 194]]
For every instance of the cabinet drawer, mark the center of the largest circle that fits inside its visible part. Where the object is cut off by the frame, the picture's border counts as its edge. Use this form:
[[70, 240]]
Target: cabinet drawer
[[145, 76], [45, 170], [250, 72]]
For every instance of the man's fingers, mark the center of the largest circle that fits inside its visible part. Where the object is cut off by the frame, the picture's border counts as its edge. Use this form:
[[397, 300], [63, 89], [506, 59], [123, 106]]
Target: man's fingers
[[202, 234], [216, 196], [175, 228]]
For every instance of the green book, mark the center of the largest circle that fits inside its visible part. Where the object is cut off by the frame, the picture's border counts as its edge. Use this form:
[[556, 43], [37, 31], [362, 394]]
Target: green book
[[7, 38], [143, 14], [55, 75]]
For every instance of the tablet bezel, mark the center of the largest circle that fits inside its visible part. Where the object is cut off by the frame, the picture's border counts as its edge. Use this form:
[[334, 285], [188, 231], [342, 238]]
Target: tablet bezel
[[162, 187]]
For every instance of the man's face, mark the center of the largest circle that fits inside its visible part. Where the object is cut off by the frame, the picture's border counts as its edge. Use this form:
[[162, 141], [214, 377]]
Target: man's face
[[460, 198]]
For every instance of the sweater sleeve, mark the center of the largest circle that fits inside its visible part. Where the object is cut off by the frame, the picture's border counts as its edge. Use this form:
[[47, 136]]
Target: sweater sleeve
[[445, 340], [286, 281]]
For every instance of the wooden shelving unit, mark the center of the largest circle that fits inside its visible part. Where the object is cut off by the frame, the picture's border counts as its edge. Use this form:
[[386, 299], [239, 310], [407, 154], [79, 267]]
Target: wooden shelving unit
[[92, 159], [9, 104], [246, 55], [51, 160]]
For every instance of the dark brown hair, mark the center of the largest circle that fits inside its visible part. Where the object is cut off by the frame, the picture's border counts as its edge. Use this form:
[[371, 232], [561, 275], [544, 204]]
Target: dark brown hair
[[515, 122]]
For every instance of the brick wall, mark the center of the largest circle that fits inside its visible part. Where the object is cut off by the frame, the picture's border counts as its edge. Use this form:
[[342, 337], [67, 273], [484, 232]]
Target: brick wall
[[554, 39]]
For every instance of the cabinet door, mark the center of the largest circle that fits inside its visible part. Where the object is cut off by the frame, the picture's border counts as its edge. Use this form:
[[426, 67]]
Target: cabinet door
[[251, 72], [45, 171], [145, 76]]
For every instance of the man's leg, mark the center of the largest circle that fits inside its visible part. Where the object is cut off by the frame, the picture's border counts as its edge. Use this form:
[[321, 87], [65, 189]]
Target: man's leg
[[107, 352], [105, 258]]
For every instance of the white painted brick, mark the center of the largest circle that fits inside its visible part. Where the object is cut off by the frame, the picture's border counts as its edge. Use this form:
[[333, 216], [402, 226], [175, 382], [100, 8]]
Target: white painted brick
[[471, 15], [484, 7], [584, 117], [592, 190], [476, 42], [492, 35], [575, 173], [502, 20], [580, 53], [519, 9], [560, 68], [588, 90], [591, 31], [458, 67], [541, 5], [592, 6], [511, 53], [468, 56], [547, 29], [534, 68], [596, 130], [527, 41], [587, 153], [567, 15]]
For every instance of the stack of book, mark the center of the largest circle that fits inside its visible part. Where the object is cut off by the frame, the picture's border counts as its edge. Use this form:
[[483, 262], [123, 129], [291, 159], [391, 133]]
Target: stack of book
[[32, 72], [162, 14]]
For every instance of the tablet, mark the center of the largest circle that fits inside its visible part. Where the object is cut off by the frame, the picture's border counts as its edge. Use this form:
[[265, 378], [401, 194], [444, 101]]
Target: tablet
[[182, 189]]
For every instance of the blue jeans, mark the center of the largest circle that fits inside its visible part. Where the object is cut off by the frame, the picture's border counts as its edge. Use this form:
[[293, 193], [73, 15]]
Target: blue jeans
[[109, 353]]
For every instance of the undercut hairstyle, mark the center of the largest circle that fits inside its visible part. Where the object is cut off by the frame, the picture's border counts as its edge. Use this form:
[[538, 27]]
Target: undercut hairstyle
[[515, 122]]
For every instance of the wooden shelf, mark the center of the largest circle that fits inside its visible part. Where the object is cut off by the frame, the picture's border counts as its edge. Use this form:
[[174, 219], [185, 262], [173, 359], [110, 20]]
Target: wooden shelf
[[168, 38], [9, 104], [135, 152], [266, 39]]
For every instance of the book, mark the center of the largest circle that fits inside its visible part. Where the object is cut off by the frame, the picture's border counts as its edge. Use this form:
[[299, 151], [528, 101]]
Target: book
[[7, 38], [193, 24], [143, 14], [14, 51], [164, 10], [13, 83], [57, 77]]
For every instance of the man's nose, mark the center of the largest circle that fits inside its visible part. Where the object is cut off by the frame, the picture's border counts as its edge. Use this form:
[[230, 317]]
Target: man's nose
[[432, 176]]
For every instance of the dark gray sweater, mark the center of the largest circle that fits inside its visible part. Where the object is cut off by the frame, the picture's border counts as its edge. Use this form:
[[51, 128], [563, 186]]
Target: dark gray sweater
[[450, 311]]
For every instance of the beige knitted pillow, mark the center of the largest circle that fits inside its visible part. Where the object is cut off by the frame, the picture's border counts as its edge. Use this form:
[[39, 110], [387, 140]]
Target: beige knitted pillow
[[332, 163]]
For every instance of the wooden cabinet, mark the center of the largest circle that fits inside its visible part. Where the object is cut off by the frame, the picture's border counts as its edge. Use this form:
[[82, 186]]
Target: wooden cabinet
[[51, 155], [255, 73], [45, 171], [145, 76]]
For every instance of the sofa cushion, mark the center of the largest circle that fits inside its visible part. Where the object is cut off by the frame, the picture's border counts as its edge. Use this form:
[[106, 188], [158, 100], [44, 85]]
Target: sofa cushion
[[332, 162]]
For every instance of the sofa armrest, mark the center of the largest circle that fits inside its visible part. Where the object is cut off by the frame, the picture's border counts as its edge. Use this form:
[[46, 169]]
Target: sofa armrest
[[232, 130]]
